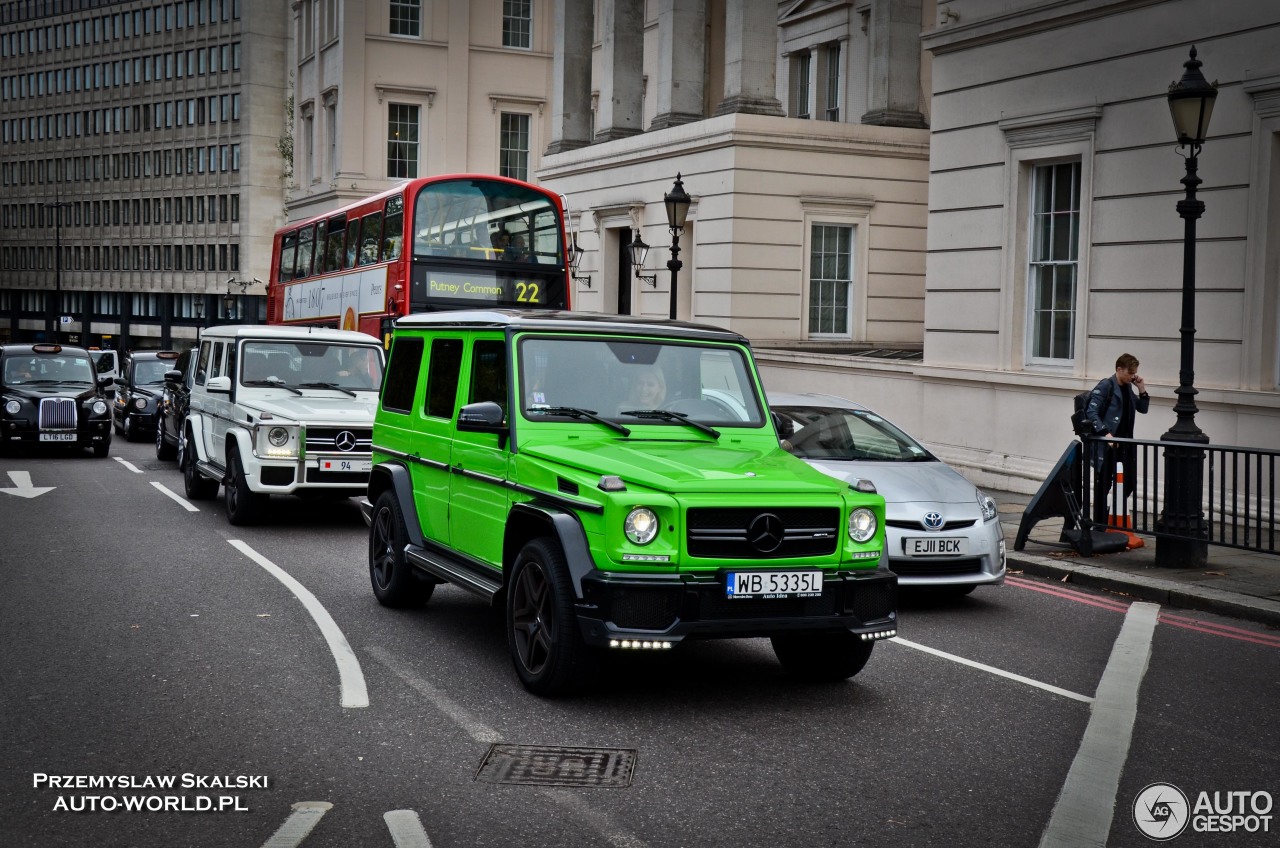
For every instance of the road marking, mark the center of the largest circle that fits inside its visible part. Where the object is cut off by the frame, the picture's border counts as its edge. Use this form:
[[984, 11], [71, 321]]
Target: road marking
[[406, 829], [128, 465], [354, 692], [183, 502], [993, 670], [1082, 815], [22, 486], [476, 729], [306, 815]]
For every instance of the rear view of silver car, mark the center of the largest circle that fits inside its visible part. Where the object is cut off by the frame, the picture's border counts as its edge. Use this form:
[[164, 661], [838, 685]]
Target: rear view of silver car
[[941, 530]]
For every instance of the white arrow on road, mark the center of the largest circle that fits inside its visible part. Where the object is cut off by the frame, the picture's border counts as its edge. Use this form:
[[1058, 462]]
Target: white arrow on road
[[24, 489]]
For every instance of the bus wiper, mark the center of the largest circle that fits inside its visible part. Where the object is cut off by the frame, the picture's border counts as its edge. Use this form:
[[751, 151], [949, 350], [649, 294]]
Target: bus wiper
[[575, 412], [333, 386], [668, 415], [274, 382]]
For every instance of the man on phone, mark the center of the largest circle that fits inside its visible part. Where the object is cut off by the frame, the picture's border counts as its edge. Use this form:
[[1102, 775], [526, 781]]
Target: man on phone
[[1112, 410]]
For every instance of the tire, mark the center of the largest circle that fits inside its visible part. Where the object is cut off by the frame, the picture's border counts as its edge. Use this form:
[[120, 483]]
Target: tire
[[542, 628], [101, 449], [822, 656], [393, 579], [115, 424], [129, 429], [198, 487], [164, 450], [244, 506]]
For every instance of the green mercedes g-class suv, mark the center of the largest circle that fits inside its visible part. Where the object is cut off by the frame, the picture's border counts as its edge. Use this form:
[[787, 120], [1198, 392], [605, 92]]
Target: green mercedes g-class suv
[[618, 485]]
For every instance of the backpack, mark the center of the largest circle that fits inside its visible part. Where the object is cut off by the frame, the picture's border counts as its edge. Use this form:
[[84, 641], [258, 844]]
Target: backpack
[[1080, 423]]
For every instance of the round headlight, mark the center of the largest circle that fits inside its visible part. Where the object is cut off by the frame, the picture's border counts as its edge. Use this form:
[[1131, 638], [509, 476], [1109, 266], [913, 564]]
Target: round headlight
[[862, 524], [641, 525], [99, 407], [278, 436], [12, 407], [140, 403]]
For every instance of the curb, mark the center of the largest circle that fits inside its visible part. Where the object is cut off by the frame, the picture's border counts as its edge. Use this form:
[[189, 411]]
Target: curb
[[1167, 593]]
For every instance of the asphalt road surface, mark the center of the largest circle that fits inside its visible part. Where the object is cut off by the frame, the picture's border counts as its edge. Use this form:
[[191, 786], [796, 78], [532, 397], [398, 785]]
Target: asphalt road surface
[[157, 657]]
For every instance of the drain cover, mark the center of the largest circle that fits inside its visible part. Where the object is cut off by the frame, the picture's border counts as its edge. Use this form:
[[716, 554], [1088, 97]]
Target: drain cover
[[539, 765]]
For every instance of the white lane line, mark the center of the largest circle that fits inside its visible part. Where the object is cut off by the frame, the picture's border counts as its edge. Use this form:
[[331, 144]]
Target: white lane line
[[406, 829], [183, 502], [1082, 815], [354, 693], [128, 465], [993, 670], [476, 729], [306, 815]]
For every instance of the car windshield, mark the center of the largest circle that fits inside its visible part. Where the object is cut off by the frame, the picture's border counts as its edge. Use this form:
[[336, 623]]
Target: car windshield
[[46, 368], [830, 432], [628, 381], [150, 371], [315, 365]]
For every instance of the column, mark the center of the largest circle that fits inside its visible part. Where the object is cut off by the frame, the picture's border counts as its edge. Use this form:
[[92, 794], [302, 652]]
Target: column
[[619, 112], [682, 57], [894, 92], [750, 58], [571, 76]]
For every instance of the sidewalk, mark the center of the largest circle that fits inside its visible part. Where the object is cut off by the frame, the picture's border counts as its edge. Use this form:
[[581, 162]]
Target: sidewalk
[[1236, 583]]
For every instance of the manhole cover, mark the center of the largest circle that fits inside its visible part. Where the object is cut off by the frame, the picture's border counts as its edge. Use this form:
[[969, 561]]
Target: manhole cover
[[539, 765]]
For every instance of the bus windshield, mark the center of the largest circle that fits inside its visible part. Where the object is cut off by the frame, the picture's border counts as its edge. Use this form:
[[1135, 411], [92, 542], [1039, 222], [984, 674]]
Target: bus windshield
[[486, 220]]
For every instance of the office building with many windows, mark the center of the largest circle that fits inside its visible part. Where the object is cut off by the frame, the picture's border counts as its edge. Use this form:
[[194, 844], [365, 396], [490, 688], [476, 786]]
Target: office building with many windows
[[140, 166]]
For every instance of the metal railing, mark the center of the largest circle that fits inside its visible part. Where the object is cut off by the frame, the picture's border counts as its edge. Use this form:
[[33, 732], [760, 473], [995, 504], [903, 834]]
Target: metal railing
[[1238, 499]]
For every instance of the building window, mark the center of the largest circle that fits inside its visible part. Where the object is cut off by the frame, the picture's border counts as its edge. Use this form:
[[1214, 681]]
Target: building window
[[830, 280], [1054, 260], [517, 23], [832, 94], [402, 141], [406, 17], [513, 147], [802, 69]]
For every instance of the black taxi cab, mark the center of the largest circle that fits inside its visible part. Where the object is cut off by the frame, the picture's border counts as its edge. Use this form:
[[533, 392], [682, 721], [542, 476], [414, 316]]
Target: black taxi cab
[[139, 389], [51, 394]]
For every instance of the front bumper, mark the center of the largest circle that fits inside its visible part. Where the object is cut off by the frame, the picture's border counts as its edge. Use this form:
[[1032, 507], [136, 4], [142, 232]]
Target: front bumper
[[297, 476], [90, 432], [982, 565], [672, 608]]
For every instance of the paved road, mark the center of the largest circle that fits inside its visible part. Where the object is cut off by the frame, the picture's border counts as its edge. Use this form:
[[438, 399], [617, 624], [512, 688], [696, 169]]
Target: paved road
[[147, 640]]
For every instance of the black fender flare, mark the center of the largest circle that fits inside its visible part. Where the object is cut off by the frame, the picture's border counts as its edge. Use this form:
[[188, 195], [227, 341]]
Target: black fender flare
[[395, 476], [560, 524]]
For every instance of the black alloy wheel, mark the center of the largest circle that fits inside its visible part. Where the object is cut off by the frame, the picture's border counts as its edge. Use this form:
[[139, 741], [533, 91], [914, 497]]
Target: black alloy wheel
[[244, 506], [822, 656], [542, 628], [394, 582]]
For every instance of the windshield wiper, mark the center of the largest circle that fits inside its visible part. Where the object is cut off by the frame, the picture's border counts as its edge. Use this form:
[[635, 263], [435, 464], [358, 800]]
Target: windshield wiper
[[575, 412], [274, 383], [334, 386], [668, 415]]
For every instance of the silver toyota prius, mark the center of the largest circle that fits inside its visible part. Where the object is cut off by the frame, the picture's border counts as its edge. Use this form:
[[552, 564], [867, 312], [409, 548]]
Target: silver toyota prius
[[941, 530]]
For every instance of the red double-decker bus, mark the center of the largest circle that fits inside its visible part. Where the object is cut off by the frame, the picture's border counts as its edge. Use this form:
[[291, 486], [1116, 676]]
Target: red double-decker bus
[[447, 242]]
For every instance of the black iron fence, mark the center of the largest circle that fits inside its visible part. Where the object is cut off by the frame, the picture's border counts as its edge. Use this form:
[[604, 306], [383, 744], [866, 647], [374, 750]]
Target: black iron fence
[[1238, 500]]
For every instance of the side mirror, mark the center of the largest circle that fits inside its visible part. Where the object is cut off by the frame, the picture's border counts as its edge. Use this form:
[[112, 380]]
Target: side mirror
[[783, 425], [173, 376], [219, 385], [107, 382], [482, 417]]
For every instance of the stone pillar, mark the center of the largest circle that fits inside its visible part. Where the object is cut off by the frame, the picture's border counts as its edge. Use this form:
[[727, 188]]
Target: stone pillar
[[571, 76], [620, 109], [750, 58], [894, 92], [682, 58]]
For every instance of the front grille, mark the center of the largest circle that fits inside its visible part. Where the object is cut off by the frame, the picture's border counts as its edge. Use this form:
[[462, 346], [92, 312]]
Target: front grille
[[916, 525], [275, 476], [762, 533], [937, 567], [874, 602], [645, 608], [57, 414], [353, 440]]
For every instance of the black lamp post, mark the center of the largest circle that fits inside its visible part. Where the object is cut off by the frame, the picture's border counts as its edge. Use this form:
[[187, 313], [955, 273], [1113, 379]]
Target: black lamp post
[[1191, 104], [639, 252], [677, 203], [57, 206]]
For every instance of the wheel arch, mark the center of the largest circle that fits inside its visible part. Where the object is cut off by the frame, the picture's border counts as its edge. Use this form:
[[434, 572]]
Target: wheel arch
[[194, 434], [395, 477], [528, 521]]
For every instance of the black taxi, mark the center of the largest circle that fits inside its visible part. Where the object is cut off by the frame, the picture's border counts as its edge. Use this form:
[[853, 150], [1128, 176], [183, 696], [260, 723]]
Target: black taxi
[[51, 394], [139, 389]]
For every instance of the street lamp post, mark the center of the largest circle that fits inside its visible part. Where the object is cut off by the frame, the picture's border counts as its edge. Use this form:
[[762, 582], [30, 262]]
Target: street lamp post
[[1191, 104], [57, 206], [677, 203]]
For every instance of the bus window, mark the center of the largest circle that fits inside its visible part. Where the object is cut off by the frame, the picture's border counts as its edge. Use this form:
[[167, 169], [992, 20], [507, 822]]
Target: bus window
[[333, 253], [353, 242], [370, 233], [393, 229], [303, 266], [288, 251]]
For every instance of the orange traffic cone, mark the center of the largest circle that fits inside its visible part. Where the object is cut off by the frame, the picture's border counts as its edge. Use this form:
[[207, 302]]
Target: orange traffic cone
[[1121, 520]]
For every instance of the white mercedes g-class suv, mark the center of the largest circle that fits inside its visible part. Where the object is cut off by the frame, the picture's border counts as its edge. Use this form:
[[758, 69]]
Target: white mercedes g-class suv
[[280, 410]]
